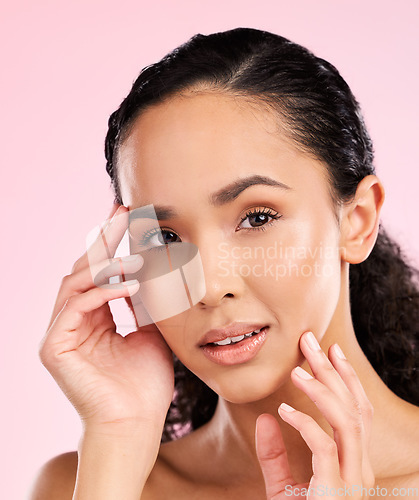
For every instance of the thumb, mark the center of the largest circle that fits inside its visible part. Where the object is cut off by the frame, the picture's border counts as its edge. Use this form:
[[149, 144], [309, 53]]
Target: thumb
[[272, 456]]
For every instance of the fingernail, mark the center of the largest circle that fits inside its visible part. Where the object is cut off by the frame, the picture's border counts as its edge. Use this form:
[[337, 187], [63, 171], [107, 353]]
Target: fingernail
[[312, 342], [132, 285], [286, 407], [132, 258], [339, 352], [302, 373]]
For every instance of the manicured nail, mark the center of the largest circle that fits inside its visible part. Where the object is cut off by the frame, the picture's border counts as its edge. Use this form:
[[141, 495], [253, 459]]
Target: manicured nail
[[312, 342], [286, 407], [302, 373], [132, 285], [132, 258], [339, 352]]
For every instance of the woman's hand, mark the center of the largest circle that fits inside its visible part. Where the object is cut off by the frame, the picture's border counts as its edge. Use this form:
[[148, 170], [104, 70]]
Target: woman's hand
[[338, 463], [109, 379]]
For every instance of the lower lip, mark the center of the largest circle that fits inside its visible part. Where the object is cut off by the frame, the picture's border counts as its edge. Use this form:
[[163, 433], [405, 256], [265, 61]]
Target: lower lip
[[240, 352]]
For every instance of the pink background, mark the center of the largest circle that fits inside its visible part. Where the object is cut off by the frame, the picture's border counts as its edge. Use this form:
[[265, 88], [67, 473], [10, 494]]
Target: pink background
[[66, 66]]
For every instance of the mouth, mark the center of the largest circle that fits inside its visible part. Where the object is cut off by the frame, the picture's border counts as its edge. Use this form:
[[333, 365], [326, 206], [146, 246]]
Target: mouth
[[236, 349], [236, 339], [232, 333]]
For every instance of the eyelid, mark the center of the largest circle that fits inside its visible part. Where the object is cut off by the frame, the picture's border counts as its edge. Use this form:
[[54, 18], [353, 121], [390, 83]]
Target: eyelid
[[260, 210]]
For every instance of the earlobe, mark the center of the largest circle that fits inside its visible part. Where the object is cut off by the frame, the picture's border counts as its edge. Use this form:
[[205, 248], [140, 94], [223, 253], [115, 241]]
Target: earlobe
[[360, 220]]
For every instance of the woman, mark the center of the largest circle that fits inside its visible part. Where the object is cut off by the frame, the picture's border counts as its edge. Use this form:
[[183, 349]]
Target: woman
[[244, 141]]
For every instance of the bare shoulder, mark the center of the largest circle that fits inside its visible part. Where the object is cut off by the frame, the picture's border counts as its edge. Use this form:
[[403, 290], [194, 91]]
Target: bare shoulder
[[56, 478]]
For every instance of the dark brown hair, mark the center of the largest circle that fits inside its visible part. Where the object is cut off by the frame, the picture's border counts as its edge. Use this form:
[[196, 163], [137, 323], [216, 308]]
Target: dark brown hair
[[324, 120]]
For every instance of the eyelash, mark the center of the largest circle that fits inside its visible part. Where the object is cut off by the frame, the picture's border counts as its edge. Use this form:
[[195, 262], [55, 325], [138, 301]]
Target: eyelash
[[265, 211], [253, 212]]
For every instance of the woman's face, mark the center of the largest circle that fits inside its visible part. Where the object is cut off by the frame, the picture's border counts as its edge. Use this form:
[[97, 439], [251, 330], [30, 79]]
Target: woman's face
[[270, 253]]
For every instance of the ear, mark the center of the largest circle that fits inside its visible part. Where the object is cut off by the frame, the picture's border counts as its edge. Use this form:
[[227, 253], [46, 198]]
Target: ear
[[360, 220]]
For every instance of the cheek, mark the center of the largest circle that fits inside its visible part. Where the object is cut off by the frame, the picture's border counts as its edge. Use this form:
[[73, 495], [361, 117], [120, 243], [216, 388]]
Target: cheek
[[299, 278], [180, 334]]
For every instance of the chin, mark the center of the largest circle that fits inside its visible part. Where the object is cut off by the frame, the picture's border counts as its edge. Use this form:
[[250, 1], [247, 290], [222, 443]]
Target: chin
[[243, 388]]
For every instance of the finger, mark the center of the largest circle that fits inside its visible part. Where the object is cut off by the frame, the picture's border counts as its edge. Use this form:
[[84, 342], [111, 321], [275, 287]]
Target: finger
[[95, 275], [107, 241], [272, 455], [349, 376], [62, 335], [352, 382], [325, 371], [345, 420], [100, 273], [325, 454], [322, 368]]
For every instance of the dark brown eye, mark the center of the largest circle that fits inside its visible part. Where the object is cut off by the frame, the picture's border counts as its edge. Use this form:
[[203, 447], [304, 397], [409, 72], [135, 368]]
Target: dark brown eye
[[171, 237], [259, 218]]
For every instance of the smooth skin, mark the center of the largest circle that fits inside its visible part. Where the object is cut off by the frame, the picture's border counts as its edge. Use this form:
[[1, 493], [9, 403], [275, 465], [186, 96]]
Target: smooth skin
[[347, 424]]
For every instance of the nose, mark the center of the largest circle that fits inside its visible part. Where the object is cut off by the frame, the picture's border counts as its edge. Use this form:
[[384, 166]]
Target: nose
[[221, 280]]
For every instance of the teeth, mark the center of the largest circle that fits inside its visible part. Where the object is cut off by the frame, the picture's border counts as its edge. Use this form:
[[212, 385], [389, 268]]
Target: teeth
[[232, 340], [224, 342]]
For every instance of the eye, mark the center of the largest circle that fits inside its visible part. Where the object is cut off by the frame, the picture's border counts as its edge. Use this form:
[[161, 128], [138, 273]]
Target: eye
[[157, 239], [260, 218]]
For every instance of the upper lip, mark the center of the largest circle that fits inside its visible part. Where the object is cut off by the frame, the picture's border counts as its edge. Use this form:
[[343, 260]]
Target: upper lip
[[232, 330]]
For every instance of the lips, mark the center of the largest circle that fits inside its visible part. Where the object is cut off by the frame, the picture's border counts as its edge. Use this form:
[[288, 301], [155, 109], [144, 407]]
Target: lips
[[232, 330]]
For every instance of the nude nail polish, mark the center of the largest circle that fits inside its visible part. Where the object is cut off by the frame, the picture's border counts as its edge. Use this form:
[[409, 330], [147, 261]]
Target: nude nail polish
[[302, 373], [312, 342]]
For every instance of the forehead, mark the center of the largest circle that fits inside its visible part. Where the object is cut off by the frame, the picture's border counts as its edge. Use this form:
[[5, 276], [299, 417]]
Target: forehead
[[201, 141]]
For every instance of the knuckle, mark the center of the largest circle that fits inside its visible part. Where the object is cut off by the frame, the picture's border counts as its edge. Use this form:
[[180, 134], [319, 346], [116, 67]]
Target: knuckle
[[369, 409], [355, 407], [329, 448], [355, 425], [43, 352], [273, 453], [66, 281]]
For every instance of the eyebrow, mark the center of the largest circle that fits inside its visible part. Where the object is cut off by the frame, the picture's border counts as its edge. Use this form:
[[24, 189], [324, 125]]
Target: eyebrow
[[225, 195]]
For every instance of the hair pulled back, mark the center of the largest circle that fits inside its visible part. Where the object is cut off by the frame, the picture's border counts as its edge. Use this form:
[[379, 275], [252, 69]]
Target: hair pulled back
[[324, 119]]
